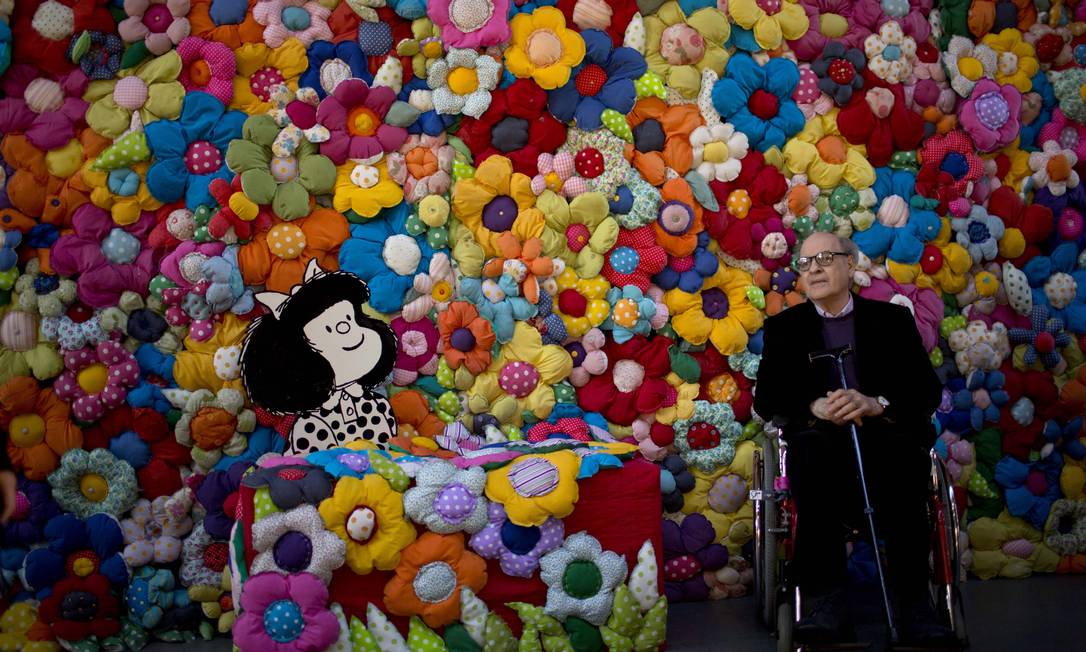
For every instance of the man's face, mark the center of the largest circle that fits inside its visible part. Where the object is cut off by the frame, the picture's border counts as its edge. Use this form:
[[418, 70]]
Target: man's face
[[824, 282]]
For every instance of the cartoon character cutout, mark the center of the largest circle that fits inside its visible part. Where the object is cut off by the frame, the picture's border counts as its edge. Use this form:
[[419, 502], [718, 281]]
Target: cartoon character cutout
[[318, 356]]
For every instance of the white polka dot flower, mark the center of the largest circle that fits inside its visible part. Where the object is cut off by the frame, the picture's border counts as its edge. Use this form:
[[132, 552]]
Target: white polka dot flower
[[296, 541], [581, 578], [890, 54], [717, 151], [462, 82], [446, 499], [1054, 168], [96, 379], [152, 534]]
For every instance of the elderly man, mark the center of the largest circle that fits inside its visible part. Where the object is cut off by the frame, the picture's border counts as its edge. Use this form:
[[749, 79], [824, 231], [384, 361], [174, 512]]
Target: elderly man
[[892, 394]]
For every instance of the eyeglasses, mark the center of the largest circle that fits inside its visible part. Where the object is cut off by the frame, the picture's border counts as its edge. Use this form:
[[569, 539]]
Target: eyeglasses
[[823, 258]]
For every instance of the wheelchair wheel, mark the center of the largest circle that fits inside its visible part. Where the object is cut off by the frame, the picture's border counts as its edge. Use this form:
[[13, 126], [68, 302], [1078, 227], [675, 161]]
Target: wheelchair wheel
[[785, 622], [948, 596], [765, 540]]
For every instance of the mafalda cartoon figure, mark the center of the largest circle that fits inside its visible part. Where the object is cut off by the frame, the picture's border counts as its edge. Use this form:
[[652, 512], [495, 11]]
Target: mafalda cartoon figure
[[318, 356]]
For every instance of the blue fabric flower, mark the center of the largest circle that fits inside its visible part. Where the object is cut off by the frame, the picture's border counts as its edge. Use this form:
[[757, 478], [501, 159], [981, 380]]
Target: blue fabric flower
[[67, 534], [321, 52], [604, 80], [344, 462], [895, 191], [261, 441], [409, 9], [381, 253], [156, 374], [5, 47], [1028, 133], [550, 325], [428, 122], [689, 280], [758, 100], [646, 310], [1049, 273], [1030, 498], [9, 241], [502, 314], [190, 152]]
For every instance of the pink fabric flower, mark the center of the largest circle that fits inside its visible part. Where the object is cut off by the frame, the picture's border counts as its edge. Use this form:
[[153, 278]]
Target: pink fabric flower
[[466, 24], [925, 304], [911, 14], [284, 19], [207, 66], [558, 173], [354, 114], [47, 111], [294, 605], [160, 24], [838, 13], [990, 115], [423, 166], [416, 350], [775, 242], [184, 265], [589, 358], [1064, 131], [96, 379], [108, 258]]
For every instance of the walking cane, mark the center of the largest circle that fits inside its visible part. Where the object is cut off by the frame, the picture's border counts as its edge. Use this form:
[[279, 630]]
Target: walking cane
[[837, 355]]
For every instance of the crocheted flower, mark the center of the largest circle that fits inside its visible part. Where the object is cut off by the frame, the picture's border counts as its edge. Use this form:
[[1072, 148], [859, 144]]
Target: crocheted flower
[[1017, 60], [721, 312], [446, 499], [581, 578], [829, 20], [305, 20], [423, 166], [190, 151], [47, 111], [152, 534], [535, 488], [634, 259], [517, 125], [295, 541], [466, 338], [213, 362], [429, 578], [990, 115], [382, 254], [96, 379], [890, 53], [212, 424], [679, 46], [202, 558], [542, 48], [470, 24], [362, 191], [661, 138], [144, 439], [462, 81], [497, 200], [765, 26], [520, 379], [416, 350], [159, 24], [603, 82], [355, 115], [368, 515], [1054, 168], [518, 548], [231, 24], [38, 426], [634, 382], [94, 483], [260, 68], [758, 100], [279, 610], [979, 233], [208, 67]]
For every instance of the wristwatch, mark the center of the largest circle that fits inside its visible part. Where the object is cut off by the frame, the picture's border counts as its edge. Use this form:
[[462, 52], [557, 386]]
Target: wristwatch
[[883, 402]]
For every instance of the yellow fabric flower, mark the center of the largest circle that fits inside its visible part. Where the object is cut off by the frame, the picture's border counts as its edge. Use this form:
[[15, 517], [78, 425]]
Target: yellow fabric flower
[[581, 302], [580, 232], [950, 278], [260, 67], [367, 514], [770, 30], [16, 625], [125, 206], [1017, 60], [496, 200], [535, 487], [720, 312], [1018, 169], [521, 378], [721, 497], [668, 50], [215, 363], [685, 395], [823, 154], [365, 189], [543, 48]]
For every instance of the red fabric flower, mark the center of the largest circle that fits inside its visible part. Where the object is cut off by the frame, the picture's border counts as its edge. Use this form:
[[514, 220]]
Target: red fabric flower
[[160, 474], [880, 119], [1034, 221], [949, 168], [634, 259], [59, 21], [227, 225], [721, 384], [745, 201], [1020, 439], [634, 383], [582, 15], [516, 125], [93, 609]]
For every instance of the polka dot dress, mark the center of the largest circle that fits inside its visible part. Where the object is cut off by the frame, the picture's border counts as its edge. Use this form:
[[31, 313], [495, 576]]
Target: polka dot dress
[[331, 428]]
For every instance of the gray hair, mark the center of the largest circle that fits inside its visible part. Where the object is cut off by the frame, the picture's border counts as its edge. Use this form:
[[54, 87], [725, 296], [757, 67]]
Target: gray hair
[[849, 247]]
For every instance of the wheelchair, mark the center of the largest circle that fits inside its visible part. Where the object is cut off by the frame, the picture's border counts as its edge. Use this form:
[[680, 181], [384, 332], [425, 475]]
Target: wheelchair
[[778, 600]]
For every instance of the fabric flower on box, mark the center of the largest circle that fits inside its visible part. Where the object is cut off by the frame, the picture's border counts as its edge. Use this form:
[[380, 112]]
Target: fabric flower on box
[[518, 548], [151, 534], [581, 578], [355, 114], [517, 125], [949, 168], [423, 166], [635, 258], [535, 488], [829, 20], [967, 63], [189, 152], [707, 439], [232, 25], [212, 424], [765, 26], [277, 258], [260, 69], [429, 578], [716, 151], [979, 233], [1054, 168], [462, 82], [290, 485], [368, 515], [1016, 62], [382, 254], [520, 379], [890, 53], [822, 153], [47, 111], [94, 483], [497, 200], [38, 426], [208, 67], [634, 382], [472, 25], [305, 20], [758, 100], [416, 350], [721, 312], [159, 24], [466, 337], [603, 81], [679, 46], [144, 439], [281, 610], [661, 138], [543, 48], [446, 499], [581, 302], [96, 379], [296, 541], [990, 115], [881, 120]]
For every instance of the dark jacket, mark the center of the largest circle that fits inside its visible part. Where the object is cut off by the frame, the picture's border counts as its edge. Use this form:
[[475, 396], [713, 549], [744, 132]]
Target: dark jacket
[[890, 358]]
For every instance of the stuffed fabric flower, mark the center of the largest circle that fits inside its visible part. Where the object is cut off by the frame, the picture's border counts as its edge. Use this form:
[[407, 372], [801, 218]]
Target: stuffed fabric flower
[[160, 24], [968, 63], [634, 382], [766, 25], [423, 166], [96, 379], [277, 258], [46, 111], [152, 534], [603, 81], [581, 578], [720, 312], [429, 578], [208, 67], [260, 68], [716, 151], [94, 483], [232, 25], [305, 20], [381, 253], [471, 25], [580, 231], [462, 82], [123, 192], [822, 153], [661, 138], [890, 53], [679, 46], [534, 488], [364, 190], [278, 610], [466, 337], [758, 100], [190, 151], [990, 115], [144, 439], [518, 548], [38, 426], [296, 541], [542, 48], [829, 20], [496, 200], [979, 233], [1053, 168], [446, 499], [1017, 60], [213, 424], [355, 115], [368, 515]]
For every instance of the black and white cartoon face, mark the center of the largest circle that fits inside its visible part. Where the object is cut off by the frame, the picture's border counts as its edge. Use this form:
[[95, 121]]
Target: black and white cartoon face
[[338, 337]]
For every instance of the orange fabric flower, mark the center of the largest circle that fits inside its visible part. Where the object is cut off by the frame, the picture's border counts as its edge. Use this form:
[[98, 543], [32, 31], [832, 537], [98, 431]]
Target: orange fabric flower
[[680, 219], [413, 415], [276, 258], [530, 256], [455, 324], [42, 184], [431, 572], [676, 123], [233, 35], [38, 426]]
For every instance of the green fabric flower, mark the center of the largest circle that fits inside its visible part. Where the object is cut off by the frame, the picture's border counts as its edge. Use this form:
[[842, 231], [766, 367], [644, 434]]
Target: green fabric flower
[[285, 182], [579, 231], [1066, 85], [541, 632], [707, 439], [581, 578], [142, 94], [628, 630], [94, 482]]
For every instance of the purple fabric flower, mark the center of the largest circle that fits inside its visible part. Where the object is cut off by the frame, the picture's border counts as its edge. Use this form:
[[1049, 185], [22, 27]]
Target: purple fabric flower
[[34, 506], [46, 110], [218, 493], [354, 114], [517, 548], [291, 485], [108, 258], [689, 550], [285, 613]]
